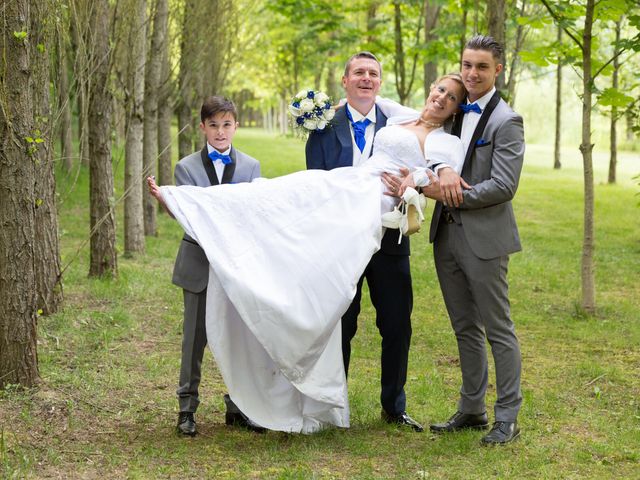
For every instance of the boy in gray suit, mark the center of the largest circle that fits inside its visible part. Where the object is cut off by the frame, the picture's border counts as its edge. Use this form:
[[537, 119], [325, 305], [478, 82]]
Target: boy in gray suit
[[218, 162]]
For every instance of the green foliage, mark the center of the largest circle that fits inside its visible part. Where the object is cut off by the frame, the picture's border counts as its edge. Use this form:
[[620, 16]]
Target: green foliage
[[613, 97], [22, 36]]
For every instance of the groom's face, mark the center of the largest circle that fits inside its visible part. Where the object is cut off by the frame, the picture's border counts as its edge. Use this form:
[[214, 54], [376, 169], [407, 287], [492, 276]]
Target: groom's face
[[362, 81]]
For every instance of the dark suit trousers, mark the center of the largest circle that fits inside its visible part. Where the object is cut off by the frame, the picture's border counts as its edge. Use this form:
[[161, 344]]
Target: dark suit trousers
[[475, 292], [194, 341], [389, 280]]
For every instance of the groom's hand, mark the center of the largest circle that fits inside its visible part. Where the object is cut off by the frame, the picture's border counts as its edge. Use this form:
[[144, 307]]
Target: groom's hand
[[451, 185]]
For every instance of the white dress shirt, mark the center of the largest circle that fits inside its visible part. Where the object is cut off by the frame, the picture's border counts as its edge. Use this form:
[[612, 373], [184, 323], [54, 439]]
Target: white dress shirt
[[218, 165], [470, 120], [358, 157]]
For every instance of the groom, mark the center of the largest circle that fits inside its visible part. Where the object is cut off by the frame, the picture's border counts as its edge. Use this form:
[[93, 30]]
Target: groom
[[348, 141], [473, 232]]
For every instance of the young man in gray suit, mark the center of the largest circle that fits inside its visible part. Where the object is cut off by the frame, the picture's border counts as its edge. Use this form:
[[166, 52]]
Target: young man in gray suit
[[474, 230], [218, 162]]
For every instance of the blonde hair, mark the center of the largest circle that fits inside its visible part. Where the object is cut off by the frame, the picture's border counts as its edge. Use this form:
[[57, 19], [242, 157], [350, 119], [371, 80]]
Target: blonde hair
[[456, 77]]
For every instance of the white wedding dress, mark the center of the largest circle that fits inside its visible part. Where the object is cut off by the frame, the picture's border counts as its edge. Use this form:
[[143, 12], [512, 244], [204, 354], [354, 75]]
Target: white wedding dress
[[285, 256]]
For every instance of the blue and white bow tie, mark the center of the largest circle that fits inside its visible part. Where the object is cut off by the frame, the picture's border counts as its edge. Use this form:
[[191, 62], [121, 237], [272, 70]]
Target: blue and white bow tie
[[214, 155], [472, 107]]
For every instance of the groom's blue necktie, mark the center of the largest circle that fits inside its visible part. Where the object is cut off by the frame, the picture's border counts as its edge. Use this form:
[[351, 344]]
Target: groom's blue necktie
[[472, 107], [214, 155], [358, 129]]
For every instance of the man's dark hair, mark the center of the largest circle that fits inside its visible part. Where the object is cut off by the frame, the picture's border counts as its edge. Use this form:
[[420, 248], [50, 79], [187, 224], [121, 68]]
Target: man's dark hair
[[487, 43], [364, 54], [216, 104]]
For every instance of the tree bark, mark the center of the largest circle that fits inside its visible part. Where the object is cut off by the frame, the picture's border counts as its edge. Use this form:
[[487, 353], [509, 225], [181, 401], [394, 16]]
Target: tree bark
[[613, 133], [137, 221], [431, 13], [165, 100], [47, 248], [557, 164], [496, 17], [186, 83], [103, 257], [79, 20], [586, 147], [64, 106], [18, 286]]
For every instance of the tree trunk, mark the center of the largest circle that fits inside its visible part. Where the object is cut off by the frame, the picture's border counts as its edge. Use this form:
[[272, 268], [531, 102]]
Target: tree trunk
[[399, 60], [557, 164], [47, 249], [103, 257], [79, 19], [613, 134], [186, 84], [588, 244], [372, 12], [136, 220], [18, 286], [496, 17], [513, 70], [165, 103], [64, 105], [463, 26], [431, 13]]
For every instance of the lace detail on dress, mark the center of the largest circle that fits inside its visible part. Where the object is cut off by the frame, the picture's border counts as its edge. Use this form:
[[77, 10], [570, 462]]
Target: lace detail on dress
[[396, 147]]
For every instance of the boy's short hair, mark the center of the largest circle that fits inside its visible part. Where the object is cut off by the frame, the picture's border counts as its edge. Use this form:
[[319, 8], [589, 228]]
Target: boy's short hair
[[216, 104], [363, 54], [487, 43]]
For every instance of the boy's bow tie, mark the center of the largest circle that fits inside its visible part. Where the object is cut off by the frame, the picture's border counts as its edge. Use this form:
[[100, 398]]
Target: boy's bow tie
[[472, 107], [214, 155]]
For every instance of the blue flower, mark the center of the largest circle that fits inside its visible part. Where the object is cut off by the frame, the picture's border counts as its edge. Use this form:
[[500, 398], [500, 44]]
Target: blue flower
[[296, 104], [310, 94], [300, 120]]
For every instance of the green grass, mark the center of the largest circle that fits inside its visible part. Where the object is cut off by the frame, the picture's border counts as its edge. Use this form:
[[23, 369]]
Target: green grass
[[109, 360]]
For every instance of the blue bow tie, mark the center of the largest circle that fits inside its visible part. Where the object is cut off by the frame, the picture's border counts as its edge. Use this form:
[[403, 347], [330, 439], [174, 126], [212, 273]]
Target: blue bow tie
[[472, 107], [358, 130], [214, 155]]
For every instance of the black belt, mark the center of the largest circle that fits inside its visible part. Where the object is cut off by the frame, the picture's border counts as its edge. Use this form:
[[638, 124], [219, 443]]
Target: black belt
[[446, 216]]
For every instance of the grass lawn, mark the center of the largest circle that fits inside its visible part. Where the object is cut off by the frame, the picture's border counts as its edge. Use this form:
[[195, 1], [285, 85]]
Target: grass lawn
[[109, 360]]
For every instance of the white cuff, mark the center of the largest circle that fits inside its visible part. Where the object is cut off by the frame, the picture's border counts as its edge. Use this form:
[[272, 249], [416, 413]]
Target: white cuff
[[420, 178]]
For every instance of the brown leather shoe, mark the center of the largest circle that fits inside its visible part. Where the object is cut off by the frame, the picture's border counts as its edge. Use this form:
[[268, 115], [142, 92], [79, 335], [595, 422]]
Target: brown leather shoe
[[461, 421]]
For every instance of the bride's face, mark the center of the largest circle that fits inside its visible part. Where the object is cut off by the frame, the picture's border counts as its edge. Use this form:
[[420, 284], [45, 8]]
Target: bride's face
[[443, 100]]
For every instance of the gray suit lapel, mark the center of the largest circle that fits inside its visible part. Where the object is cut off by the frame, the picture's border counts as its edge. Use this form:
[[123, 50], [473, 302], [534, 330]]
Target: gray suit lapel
[[484, 118]]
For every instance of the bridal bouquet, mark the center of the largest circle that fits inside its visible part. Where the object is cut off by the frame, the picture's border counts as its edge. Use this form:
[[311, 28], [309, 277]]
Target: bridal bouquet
[[311, 111]]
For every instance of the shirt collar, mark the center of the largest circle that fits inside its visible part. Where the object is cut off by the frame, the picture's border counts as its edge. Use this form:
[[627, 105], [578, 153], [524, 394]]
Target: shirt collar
[[484, 100], [357, 116], [211, 149]]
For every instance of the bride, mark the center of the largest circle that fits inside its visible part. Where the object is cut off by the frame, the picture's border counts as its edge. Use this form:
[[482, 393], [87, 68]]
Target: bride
[[283, 270]]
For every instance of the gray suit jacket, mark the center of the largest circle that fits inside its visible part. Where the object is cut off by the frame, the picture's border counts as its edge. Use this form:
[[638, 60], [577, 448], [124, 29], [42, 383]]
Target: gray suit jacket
[[492, 167], [191, 270]]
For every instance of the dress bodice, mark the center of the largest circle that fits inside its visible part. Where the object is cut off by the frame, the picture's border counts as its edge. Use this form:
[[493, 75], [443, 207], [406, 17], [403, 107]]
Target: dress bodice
[[395, 147]]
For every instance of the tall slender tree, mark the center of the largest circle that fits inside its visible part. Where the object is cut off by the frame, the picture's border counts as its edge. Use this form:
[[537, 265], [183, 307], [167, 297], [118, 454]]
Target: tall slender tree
[[18, 285], [103, 256], [557, 163]]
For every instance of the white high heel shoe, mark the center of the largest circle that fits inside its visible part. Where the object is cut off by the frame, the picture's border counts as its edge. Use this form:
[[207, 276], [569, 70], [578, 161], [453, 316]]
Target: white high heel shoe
[[408, 215]]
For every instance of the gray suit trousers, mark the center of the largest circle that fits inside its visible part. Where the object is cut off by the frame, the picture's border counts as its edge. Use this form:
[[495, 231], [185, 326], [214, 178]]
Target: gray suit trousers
[[475, 292], [194, 342]]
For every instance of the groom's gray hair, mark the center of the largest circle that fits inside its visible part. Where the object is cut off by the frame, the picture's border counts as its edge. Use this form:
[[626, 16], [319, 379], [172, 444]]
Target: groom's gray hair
[[363, 54]]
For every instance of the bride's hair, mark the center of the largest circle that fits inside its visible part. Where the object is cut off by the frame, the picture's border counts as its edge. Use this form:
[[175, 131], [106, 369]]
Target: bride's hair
[[456, 77]]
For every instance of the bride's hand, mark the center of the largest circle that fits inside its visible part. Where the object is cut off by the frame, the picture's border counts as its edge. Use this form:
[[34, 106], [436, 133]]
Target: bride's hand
[[408, 182], [394, 182]]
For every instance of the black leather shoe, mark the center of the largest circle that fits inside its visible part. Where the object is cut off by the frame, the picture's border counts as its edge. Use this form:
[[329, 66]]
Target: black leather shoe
[[402, 420], [235, 417], [460, 421], [501, 433], [187, 424]]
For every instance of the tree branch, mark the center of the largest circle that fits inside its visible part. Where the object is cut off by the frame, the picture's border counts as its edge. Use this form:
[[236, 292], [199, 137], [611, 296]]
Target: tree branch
[[558, 21]]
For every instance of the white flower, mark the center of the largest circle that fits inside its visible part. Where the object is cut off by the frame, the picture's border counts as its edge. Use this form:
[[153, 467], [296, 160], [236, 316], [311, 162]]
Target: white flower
[[295, 111], [306, 105], [321, 123], [302, 94], [321, 98], [310, 124], [328, 114]]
